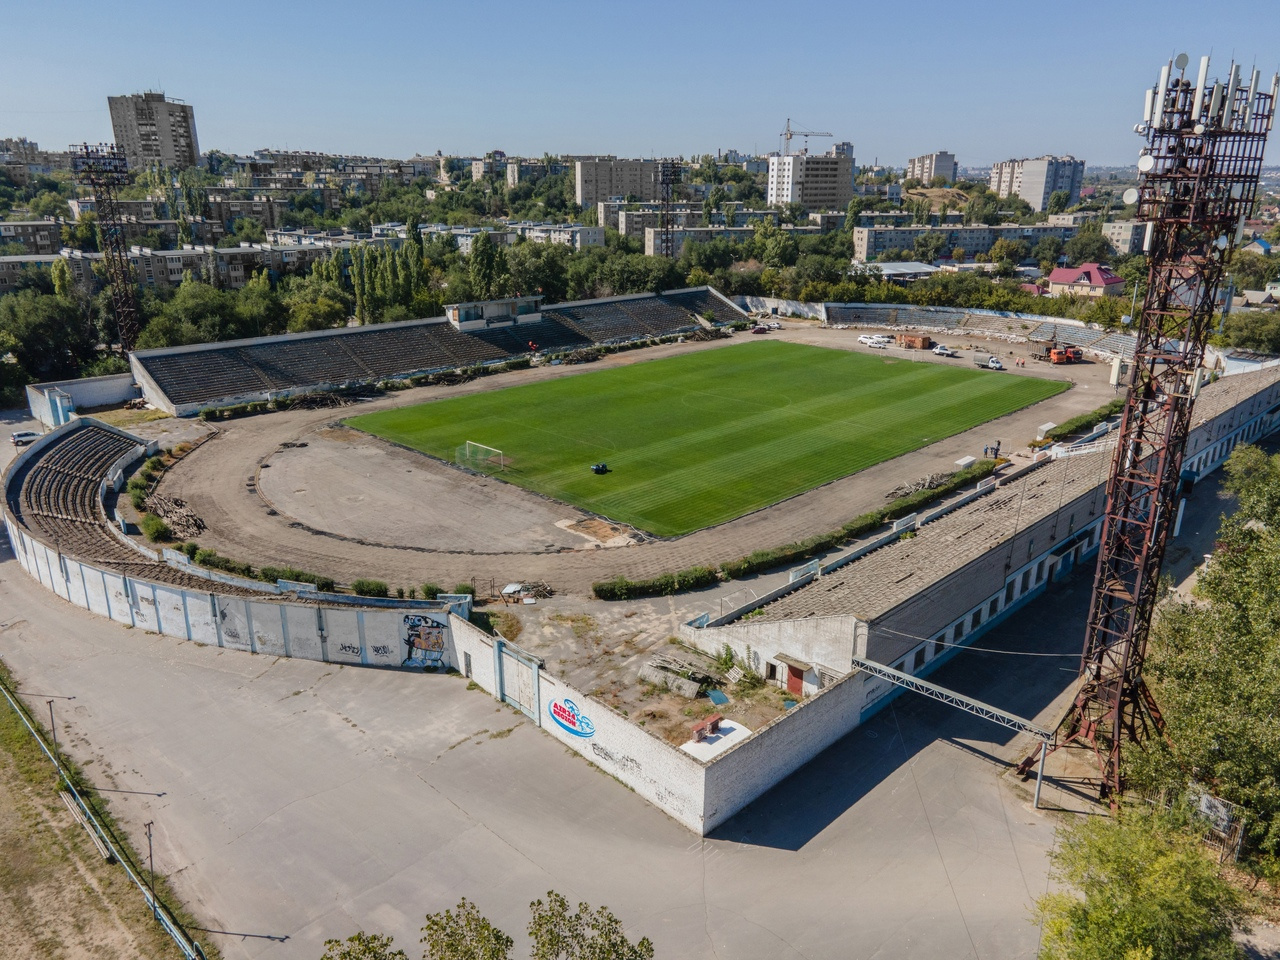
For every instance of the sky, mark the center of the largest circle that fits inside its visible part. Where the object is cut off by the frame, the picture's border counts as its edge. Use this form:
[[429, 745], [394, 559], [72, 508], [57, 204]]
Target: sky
[[391, 78]]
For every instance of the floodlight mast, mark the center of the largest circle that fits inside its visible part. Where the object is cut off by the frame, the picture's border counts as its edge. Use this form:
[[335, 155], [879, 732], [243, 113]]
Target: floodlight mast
[[103, 168], [1200, 169]]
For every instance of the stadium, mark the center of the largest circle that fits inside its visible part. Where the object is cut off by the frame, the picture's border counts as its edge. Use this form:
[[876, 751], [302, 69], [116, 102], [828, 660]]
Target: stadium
[[461, 451]]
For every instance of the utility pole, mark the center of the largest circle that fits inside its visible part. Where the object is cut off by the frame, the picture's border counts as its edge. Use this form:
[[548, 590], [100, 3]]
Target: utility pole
[[151, 861]]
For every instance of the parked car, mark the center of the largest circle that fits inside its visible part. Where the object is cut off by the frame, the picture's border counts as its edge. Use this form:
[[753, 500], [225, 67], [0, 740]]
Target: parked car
[[760, 329], [875, 340], [987, 362], [774, 325], [23, 437], [942, 350]]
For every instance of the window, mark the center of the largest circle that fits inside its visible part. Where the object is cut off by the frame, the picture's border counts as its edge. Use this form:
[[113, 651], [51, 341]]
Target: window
[[994, 608], [975, 620], [1040, 572], [1008, 592], [900, 667], [771, 671], [959, 631], [466, 664], [919, 660]]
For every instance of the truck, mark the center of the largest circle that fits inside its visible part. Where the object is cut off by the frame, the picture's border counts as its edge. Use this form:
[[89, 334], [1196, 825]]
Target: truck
[[942, 350], [987, 362]]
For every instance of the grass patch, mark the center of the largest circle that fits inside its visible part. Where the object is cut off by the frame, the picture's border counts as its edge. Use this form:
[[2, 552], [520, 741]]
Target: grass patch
[[702, 438]]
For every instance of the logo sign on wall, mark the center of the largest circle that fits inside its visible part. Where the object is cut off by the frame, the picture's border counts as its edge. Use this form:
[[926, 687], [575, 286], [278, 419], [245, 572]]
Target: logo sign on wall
[[565, 714]]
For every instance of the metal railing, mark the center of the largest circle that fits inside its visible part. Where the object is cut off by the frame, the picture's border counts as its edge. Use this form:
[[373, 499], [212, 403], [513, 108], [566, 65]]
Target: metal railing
[[103, 838]]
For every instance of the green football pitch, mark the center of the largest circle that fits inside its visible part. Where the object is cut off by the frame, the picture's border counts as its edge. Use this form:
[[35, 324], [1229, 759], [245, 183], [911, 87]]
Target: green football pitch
[[702, 438]]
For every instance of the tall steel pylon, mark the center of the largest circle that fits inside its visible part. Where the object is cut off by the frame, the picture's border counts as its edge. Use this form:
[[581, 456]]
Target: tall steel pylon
[[1199, 176], [103, 169], [668, 177]]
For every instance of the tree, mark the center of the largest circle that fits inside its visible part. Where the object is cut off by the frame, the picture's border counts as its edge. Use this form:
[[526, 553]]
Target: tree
[[483, 267], [463, 934], [83, 234], [362, 946], [585, 934], [46, 335], [1214, 665], [1046, 252], [1144, 888], [928, 247], [1058, 201], [1015, 251], [958, 254], [1088, 245], [1253, 271]]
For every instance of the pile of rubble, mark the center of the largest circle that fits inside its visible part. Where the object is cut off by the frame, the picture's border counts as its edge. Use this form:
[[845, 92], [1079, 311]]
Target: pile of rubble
[[181, 519]]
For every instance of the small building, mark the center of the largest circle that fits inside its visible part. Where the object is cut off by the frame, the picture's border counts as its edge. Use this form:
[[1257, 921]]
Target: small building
[[1086, 280]]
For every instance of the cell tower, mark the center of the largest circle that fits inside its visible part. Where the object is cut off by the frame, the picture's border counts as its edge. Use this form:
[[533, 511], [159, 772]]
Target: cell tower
[[102, 169], [1199, 175], [668, 177]]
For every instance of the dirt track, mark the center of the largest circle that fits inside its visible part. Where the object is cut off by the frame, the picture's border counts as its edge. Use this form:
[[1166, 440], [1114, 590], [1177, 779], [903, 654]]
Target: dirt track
[[220, 482]]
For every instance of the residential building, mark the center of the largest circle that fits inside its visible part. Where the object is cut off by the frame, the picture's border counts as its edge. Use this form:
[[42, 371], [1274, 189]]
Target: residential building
[[520, 171], [940, 164], [21, 156], [1038, 179], [37, 236], [574, 235], [81, 264], [493, 164], [634, 223], [596, 180], [151, 128], [152, 208], [1125, 236], [680, 236], [889, 191], [609, 212], [815, 182], [1086, 280], [842, 149], [870, 242]]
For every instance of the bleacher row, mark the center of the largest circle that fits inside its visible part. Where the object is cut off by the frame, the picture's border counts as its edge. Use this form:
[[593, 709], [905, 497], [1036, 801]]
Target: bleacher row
[[221, 372], [55, 496], [1119, 344]]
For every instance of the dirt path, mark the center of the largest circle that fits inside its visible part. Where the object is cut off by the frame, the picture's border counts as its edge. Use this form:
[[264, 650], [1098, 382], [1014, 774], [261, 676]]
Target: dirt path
[[220, 482]]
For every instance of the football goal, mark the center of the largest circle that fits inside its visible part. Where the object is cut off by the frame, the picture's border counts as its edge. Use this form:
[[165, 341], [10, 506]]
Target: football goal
[[476, 456]]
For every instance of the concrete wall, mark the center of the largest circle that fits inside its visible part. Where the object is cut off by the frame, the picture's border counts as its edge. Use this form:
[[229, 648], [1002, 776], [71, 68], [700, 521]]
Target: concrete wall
[[782, 308], [829, 641], [747, 770], [89, 392]]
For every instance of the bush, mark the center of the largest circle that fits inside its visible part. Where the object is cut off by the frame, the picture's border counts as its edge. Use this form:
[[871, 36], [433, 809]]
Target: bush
[[431, 590], [663, 585], [155, 465], [369, 588], [465, 588], [1086, 421], [155, 529], [399, 593], [272, 574], [191, 548], [211, 559], [139, 499]]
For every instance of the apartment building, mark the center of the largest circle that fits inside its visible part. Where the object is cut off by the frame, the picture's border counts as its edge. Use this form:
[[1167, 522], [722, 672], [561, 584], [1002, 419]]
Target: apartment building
[[609, 212], [1125, 236], [151, 129], [37, 236], [681, 236], [1037, 179], [522, 171], [634, 223], [870, 242], [575, 235], [822, 182], [596, 180], [940, 164]]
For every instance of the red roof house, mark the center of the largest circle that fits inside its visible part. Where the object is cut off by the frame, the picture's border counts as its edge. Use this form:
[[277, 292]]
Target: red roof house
[[1086, 280]]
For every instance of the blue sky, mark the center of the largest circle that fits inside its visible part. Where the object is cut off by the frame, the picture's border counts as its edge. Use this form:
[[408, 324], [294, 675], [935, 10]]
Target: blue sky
[[987, 81]]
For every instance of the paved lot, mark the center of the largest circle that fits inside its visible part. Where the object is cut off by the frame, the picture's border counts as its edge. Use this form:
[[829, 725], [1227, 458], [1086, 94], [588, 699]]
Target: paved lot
[[301, 801]]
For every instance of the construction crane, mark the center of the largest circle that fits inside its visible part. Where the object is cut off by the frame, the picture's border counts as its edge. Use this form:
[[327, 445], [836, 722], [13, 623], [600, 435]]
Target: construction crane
[[788, 133], [1199, 176]]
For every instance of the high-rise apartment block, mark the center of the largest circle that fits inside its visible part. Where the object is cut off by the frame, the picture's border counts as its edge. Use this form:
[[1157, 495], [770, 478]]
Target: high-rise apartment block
[[1036, 180], [940, 164], [815, 182], [152, 129], [596, 180]]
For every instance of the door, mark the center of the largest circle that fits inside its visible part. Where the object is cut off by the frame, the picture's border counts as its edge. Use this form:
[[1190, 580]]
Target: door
[[795, 680], [518, 678]]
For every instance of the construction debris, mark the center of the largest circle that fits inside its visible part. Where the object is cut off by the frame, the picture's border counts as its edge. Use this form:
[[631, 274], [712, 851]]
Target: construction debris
[[932, 481], [181, 519]]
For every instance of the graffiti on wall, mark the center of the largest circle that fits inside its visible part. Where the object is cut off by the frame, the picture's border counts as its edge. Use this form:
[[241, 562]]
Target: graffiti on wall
[[424, 641]]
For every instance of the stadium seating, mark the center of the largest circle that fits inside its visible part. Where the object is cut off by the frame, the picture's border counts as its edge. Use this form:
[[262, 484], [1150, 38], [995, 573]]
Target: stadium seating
[[1065, 334], [55, 497], [220, 374], [1118, 344]]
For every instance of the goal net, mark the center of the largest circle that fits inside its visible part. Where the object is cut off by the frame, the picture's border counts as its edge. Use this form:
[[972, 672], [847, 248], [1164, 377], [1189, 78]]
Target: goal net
[[476, 456]]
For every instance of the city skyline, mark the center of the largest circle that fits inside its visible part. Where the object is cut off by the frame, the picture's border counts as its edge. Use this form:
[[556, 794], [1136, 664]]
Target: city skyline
[[578, 78]]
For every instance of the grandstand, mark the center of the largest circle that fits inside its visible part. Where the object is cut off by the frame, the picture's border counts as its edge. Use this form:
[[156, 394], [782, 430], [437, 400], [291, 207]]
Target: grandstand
[[183, 380], [55, 496]]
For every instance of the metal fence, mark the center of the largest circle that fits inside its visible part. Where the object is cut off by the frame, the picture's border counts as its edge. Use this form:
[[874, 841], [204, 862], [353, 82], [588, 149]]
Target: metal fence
[[102, 836]]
